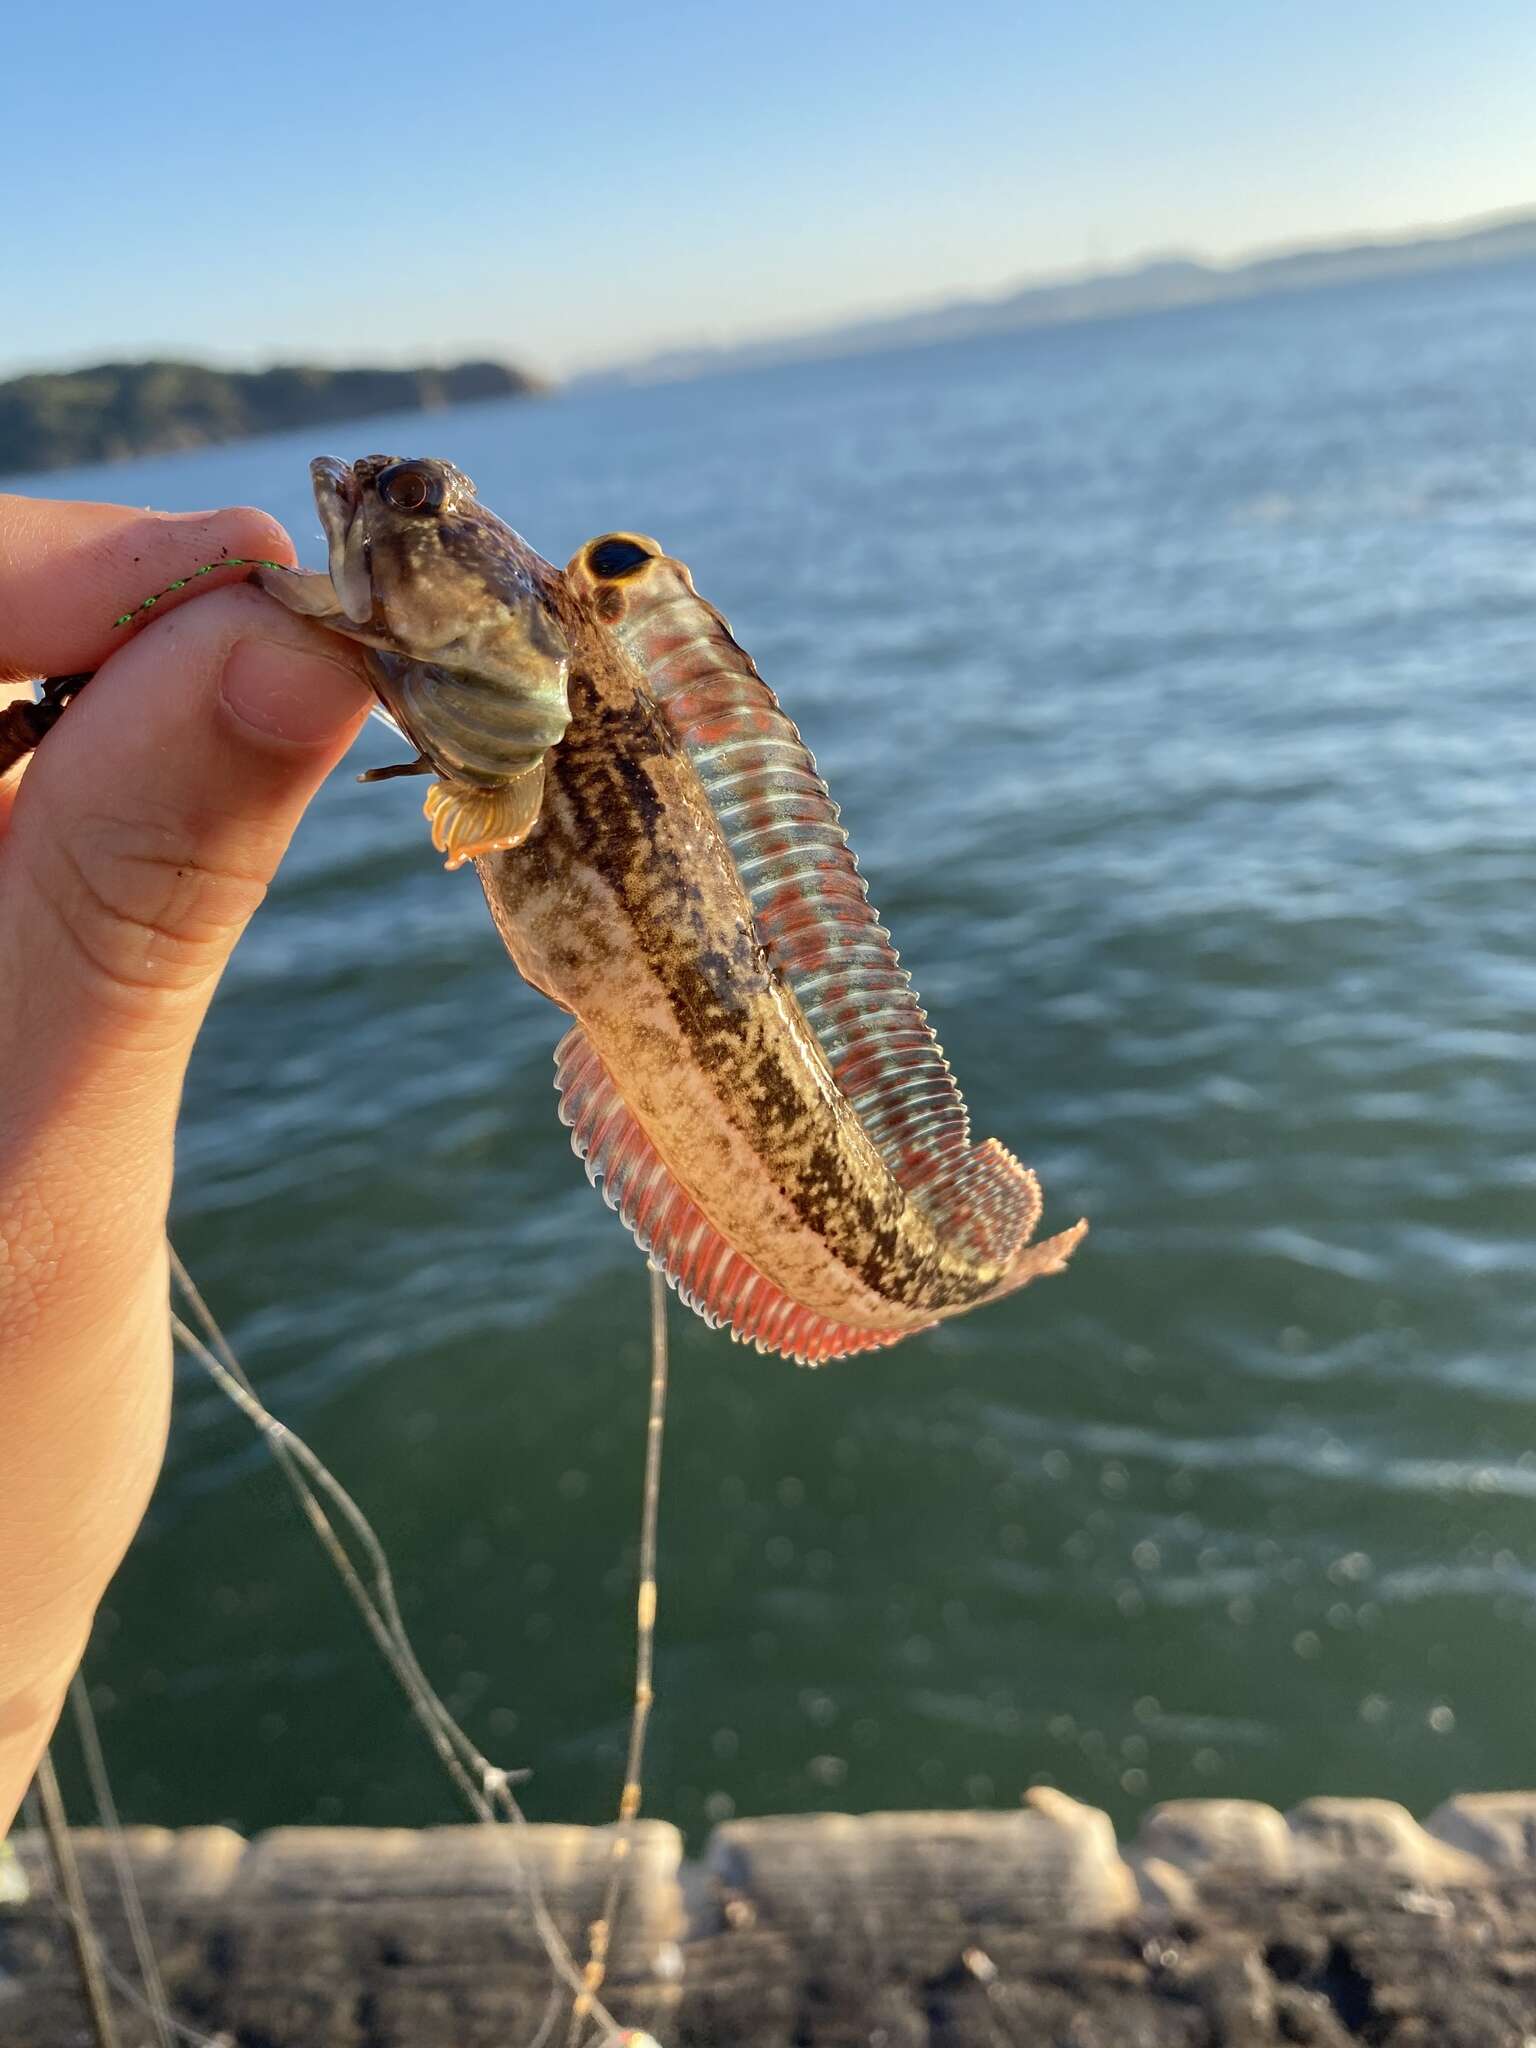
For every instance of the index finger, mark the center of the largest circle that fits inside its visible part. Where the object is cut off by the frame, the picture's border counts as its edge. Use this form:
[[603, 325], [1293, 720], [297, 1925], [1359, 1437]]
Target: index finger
[[68, 571]]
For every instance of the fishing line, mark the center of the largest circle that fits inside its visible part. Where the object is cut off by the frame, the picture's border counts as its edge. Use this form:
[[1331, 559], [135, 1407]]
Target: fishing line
[[67, 1887], [154, 2001], [645, 1659], [32, 1814], [72, 683], [470, 1771], [486, 1786], [184, 582]]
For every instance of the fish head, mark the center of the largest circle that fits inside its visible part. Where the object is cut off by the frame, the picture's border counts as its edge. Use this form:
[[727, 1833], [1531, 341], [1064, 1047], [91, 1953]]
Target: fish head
[[420, 567], [465, 646]]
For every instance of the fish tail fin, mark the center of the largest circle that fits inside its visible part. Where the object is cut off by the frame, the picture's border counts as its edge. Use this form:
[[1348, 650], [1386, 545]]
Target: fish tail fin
[[1035, 1261]]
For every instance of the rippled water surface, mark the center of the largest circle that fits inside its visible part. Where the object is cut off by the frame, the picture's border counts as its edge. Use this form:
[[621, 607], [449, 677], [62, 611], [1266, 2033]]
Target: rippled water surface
[[1175, 675]]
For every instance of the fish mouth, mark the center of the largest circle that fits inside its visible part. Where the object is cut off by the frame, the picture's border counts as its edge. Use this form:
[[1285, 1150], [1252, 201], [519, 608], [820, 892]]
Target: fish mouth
[[339, 501]]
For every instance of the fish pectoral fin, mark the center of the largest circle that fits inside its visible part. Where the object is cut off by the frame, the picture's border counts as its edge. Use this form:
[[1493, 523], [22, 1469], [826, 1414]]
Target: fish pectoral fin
[[714, 1279], [467, 821]]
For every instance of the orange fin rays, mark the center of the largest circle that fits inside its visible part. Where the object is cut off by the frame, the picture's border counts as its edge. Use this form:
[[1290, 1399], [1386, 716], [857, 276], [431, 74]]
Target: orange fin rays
[[709, 1274], [467, 821]]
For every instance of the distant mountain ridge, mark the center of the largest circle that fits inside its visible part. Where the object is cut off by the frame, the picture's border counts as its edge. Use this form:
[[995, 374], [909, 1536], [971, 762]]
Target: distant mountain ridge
[[58, 419], [1154, 284]]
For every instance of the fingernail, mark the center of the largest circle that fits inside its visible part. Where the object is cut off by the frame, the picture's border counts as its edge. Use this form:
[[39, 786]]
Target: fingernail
[[291, 693], [220, 512]]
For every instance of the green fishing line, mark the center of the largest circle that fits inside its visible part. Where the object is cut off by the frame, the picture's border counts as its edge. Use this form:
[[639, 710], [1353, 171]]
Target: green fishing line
[[226, 562]]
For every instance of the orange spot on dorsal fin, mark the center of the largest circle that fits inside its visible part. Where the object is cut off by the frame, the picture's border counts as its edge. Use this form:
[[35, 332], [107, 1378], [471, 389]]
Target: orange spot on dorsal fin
[[709, 1274]]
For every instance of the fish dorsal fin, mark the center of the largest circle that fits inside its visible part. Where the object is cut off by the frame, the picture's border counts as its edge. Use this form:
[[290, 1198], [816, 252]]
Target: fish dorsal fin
[[809, 902], [709, 1275]]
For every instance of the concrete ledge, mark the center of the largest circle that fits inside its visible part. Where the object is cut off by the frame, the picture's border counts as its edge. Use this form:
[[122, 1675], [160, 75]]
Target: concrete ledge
[[1224, 1925]]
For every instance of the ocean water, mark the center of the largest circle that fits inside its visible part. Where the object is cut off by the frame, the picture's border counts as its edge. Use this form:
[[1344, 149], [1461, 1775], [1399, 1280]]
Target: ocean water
[[1176, 677]]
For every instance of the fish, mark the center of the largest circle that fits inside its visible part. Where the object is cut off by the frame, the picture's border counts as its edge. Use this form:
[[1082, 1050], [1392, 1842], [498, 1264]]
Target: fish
[[748, 1074]]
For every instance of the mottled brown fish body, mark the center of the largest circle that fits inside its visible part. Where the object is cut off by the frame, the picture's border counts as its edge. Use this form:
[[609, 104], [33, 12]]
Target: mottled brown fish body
[[625, 908]]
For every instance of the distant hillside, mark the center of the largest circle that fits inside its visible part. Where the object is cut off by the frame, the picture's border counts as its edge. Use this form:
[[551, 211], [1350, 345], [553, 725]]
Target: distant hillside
[[1150, 286], [62, 418]]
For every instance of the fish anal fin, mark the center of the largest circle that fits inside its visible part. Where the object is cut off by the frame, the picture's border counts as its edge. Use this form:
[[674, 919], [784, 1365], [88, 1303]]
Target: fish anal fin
[[709, 1275], [467, 821]]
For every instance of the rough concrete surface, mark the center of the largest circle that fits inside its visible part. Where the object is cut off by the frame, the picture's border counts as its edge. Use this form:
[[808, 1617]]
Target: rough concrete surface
[[1224, 1925]]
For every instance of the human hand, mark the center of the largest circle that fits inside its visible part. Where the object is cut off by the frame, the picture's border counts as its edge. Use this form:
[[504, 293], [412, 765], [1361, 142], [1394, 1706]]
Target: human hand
[[133, 851]]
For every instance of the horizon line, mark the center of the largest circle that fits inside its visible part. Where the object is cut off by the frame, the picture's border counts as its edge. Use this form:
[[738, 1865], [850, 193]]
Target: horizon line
[[1245, 257]]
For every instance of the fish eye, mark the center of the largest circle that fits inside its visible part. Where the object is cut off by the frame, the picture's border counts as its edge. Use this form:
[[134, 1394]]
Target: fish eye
[[616, 556], [407, 487]]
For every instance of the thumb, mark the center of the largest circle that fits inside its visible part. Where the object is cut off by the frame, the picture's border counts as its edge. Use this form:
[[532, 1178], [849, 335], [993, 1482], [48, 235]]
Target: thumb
[[142, 839]]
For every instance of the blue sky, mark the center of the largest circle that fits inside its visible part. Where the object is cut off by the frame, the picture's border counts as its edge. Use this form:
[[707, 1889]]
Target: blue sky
[[566, 186]]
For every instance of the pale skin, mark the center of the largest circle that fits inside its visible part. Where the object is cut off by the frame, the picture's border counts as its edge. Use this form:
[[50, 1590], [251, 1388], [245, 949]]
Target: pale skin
[[133, 851]]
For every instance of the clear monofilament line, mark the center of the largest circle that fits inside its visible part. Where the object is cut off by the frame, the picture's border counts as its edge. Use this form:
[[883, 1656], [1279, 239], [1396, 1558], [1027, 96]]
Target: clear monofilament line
[[156, 2005], [601, 1937], [380, 1610], [67, 1885], [486, 1787], [32, 1815]]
